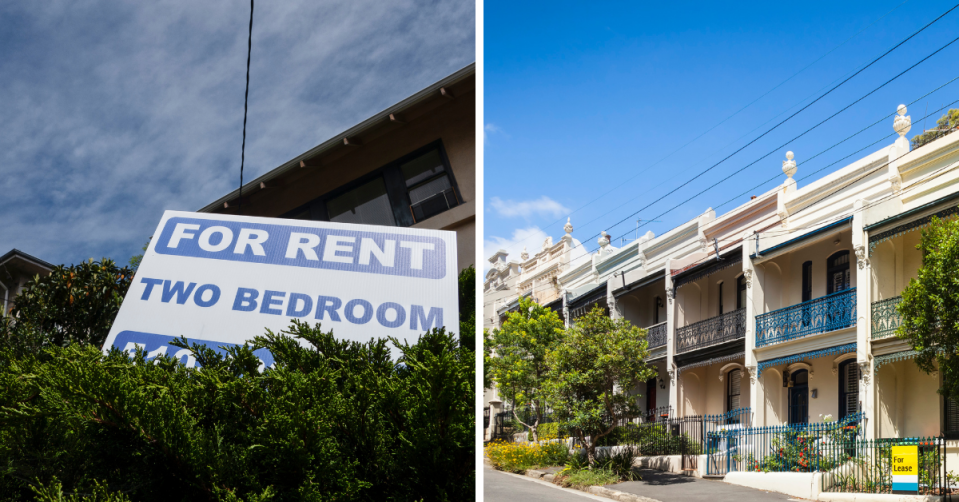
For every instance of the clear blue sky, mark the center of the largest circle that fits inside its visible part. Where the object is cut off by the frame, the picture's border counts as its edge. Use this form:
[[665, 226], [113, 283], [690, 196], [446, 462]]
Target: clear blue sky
[[114, 111], [582, 96]]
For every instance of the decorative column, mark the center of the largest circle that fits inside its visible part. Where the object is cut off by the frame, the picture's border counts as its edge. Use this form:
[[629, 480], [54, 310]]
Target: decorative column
[[860, 244], [754, 303], [671, 339], [901, 124]]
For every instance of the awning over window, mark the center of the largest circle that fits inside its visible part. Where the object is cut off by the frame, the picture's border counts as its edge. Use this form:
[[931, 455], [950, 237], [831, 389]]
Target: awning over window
[[912, 226], [724, 359], [733, 258], [814, 354]]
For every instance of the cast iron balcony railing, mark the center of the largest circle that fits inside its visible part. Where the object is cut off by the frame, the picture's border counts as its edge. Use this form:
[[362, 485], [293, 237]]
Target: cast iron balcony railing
[[712, 331], [656, 335], [827, 313], [885, 317]]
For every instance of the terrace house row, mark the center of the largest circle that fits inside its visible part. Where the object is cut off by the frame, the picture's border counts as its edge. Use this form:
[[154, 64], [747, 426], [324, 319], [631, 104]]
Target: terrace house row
[[784, 305]]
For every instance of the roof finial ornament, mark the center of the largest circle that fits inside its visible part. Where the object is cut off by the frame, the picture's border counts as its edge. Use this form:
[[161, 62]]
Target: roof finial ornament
[[902, 123], [524, 255], [789, 165], [568, 227], [603, 240]]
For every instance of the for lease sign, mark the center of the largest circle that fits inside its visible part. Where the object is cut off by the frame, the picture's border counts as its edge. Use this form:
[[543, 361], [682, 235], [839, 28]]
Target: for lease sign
[[222, 280], [905, 469]]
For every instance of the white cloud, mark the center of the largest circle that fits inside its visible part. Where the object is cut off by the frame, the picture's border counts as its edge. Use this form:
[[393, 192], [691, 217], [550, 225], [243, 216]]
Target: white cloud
[[115, 111], [530, 237], [526, 208], [491, 129]]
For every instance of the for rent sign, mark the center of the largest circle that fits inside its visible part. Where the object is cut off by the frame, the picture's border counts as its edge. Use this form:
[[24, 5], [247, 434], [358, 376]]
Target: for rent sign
[[905, 469], [221, 280]]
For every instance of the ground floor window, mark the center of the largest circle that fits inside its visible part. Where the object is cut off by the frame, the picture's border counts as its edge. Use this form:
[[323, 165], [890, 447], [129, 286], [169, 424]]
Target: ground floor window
[[950, 423], [848, 388]]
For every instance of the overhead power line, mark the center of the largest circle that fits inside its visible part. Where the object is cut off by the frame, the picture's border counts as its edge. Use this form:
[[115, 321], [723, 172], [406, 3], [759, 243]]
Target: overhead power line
[[777, 86], [246, 99]]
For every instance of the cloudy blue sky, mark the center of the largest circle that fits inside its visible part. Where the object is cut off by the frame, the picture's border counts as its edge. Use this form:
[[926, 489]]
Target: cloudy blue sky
[[597, 109], [113, 112]]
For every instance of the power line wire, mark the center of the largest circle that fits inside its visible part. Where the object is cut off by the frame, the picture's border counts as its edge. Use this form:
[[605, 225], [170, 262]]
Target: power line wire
[[246, 99], [600, 197]]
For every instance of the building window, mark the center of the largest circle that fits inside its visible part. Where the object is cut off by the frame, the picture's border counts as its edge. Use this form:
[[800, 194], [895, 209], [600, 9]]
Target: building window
[[402, 193], [740, 292], [837, 273], [807, 281], [733, 388], [428, 185], [720, 298], [659, 303], [848, 388], [799, 398], [367, 204], [950, 423]]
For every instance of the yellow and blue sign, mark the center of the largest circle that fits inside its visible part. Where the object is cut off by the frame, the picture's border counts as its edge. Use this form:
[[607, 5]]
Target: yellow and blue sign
[[905, 469]]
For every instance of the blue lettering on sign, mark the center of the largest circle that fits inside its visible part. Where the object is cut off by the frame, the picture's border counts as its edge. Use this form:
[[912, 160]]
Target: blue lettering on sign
[[349, 250], [155, 345]]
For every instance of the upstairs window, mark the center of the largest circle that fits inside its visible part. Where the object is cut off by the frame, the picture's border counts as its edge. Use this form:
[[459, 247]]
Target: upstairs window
[[402, 193], [837, 270], [428, 185], [740, 292], [720, 298], [367, 204]]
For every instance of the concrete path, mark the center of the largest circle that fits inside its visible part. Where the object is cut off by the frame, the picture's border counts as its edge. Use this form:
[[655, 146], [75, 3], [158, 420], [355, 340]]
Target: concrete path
[[669, 487], [499, 486]]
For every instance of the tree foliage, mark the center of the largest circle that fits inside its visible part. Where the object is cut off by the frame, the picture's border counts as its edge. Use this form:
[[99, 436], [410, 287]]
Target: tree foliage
[[335, 420], [593, 374], [74, 304], [517, 357], [946, 124], [930, 305], [331, 420]]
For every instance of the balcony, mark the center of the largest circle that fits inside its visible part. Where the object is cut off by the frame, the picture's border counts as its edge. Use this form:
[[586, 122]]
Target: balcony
[[715, 330], [656, 335], [828, 313], [885, 317]]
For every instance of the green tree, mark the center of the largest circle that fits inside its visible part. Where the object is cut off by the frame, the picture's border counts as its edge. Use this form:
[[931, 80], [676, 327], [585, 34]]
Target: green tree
[[930, 305], [946, 124], [136, 259], [467, 305], [592, 375], [75, 304], [517, 358]]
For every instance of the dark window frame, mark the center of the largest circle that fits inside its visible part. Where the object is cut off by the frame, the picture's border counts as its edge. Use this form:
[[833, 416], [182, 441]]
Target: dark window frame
[[843, 411], [396, 189], [807, 281], [729, 384], [740, 287], [831, 268], [721, 297]]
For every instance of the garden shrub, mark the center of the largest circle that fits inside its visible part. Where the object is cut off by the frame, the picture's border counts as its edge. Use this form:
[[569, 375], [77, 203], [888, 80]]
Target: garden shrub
[[333, 419]]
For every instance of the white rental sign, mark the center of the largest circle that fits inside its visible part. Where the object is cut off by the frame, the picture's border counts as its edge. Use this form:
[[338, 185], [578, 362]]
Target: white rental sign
[[221, 280]]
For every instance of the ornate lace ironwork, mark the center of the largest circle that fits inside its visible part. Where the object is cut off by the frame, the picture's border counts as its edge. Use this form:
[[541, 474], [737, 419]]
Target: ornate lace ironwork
[[874, 240], [885, 317], [656, 335], [827, 313], [712, 331], [813, 354]]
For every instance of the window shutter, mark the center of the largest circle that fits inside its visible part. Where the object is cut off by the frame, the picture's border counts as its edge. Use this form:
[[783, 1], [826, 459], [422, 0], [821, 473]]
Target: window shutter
[[852, 388], [735, 380], [952, 417]]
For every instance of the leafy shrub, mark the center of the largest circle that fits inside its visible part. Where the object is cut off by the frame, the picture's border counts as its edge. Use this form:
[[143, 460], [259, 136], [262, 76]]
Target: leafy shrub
[[520, 457], [578, 478], [333, 419]]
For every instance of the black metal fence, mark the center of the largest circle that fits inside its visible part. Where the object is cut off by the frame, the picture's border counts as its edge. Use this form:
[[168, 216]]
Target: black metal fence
[[781, 448], [486, 412], [866, 466]]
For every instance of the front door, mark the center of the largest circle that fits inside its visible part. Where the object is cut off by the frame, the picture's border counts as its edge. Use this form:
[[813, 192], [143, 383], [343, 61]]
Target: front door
[[799, 398], [651, 396]]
